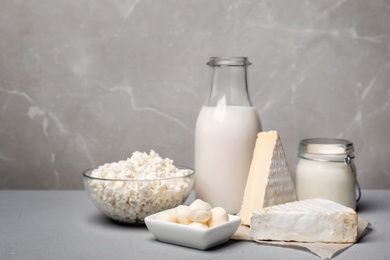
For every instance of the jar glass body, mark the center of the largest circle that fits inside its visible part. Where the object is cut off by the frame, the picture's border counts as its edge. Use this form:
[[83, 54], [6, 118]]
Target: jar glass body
[[225, 135], [327, 174]]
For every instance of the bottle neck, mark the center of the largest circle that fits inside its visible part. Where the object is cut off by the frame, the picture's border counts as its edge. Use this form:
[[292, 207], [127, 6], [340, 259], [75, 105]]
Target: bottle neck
[[229, 86]]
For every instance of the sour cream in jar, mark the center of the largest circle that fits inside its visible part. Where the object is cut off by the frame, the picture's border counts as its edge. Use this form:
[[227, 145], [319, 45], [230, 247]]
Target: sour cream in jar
[[326, 170]]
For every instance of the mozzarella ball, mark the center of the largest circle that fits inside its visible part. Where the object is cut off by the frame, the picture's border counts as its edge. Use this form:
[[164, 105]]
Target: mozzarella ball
[[167, 216], [218, 216], [200, 204], [198, 225], [181, 214], [199, 211]]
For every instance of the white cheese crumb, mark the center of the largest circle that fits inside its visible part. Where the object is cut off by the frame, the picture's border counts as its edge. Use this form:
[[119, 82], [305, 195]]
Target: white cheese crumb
[[133, 198]]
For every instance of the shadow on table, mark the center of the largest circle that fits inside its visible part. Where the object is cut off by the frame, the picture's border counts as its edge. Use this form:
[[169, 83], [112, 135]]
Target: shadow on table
[[100, 219], [368, 206], [231, 244]]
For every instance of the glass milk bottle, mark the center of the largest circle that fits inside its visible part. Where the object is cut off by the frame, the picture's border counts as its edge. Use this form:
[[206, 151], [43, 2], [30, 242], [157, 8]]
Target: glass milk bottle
[[225, 135]]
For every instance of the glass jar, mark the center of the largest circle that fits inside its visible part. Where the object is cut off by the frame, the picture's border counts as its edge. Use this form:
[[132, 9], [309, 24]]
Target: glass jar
[[225, 135], [326, 170]]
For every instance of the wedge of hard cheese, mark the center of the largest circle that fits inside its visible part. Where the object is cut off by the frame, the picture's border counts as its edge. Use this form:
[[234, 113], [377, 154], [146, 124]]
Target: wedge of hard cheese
[[312, 220], [269, 181]]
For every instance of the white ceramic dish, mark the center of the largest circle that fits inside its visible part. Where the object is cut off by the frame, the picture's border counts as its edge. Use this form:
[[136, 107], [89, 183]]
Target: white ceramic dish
[[188, 236]]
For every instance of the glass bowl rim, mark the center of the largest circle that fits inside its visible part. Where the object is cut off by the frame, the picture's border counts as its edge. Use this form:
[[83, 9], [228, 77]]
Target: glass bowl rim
[[86, 173]]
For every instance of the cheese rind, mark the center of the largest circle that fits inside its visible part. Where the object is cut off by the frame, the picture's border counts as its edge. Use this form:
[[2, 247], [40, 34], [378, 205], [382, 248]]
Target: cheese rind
[[312, 220], [269, 181]]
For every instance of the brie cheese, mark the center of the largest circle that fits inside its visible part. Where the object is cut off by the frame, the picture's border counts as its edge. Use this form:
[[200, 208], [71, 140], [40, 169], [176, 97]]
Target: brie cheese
[[269, 181], [312, 220]]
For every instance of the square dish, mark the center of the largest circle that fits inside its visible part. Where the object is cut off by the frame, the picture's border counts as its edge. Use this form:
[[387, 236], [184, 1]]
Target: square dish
[[193, 237]]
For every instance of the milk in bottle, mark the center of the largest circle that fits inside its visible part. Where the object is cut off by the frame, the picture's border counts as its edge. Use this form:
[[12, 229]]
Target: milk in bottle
[[225, 135]]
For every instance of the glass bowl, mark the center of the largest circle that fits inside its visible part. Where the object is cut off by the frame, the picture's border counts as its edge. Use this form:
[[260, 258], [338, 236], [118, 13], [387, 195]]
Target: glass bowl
[[131, 201]]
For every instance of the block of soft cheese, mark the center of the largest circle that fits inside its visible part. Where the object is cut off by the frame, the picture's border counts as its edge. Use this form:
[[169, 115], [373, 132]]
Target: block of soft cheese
[[312, 220], [269, 181]]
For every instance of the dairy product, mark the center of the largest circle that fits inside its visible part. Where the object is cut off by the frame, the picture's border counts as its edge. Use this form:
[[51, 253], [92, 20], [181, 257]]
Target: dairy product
[[224, 142], [199, 214], [313, 220], [269, 182], [334, 181], [218, 216], [181, 215], [131, 199], [326, 170], [199, 211], [167, 216], [198, 225]]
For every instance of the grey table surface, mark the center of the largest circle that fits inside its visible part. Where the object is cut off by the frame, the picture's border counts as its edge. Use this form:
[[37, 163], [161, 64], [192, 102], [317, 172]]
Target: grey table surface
[[56, 224]]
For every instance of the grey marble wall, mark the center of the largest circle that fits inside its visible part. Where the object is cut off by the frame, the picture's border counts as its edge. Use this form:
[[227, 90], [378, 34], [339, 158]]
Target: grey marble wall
[[84, 82]]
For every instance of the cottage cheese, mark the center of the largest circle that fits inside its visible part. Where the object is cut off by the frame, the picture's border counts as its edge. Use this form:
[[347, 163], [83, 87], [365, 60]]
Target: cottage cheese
[[130, 198]]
